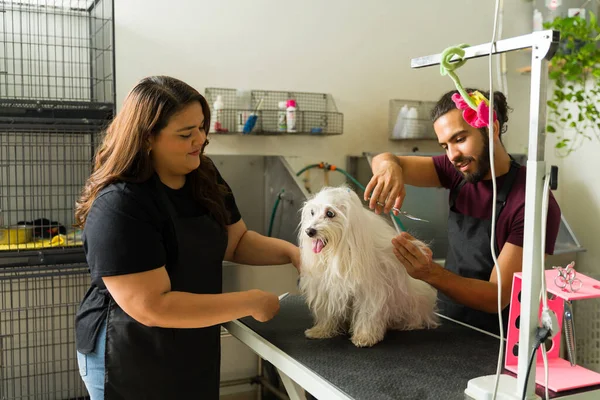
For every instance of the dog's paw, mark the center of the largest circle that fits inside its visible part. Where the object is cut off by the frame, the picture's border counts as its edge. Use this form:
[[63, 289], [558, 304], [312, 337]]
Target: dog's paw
[[365, 340], [320, 332]]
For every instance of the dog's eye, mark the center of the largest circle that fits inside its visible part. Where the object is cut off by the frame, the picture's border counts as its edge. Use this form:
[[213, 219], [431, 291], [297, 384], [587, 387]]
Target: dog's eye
[[312, 212], [330, 214]]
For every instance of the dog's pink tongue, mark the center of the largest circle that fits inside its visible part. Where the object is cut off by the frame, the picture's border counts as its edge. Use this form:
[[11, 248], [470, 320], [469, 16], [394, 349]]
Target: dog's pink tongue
[[317, 245]]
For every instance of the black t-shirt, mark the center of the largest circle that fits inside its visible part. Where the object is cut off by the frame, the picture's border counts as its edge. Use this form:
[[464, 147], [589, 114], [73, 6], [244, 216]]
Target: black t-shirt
[[128, 230]]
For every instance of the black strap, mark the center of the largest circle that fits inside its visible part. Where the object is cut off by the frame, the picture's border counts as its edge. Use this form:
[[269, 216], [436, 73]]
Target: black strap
[[172, 215], [500, 196], [507, 186], [162, 194], [503, 194], [455, 191]]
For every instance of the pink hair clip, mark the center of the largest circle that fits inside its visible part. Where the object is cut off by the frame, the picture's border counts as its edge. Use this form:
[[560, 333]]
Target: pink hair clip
[[477, 117]]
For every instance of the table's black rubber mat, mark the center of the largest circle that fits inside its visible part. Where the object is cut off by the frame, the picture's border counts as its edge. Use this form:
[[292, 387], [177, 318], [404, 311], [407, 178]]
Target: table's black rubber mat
[[416, 365]]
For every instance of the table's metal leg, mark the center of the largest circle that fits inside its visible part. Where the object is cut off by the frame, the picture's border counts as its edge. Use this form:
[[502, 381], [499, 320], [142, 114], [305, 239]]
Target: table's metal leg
[[293, 389], [259, 375]]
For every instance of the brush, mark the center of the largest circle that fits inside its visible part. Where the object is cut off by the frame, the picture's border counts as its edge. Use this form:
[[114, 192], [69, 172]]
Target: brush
[[251, 121]]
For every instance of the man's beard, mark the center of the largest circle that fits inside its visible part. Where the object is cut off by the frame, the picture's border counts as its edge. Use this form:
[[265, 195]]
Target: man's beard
[[483, 164]]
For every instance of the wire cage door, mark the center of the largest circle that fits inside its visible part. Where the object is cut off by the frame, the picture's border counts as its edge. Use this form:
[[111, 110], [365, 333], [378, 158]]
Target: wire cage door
[[42, 173], [38, 358], [58, 50]]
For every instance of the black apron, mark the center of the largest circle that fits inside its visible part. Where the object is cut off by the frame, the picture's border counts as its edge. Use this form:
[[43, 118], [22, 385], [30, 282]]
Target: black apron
[[163, 363], [469, 256]]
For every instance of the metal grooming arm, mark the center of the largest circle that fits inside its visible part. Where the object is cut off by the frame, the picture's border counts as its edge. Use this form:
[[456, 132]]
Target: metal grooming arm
[[543, 45]]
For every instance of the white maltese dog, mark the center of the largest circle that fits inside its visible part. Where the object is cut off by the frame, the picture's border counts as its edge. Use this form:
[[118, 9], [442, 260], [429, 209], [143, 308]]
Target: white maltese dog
[[351, 278]]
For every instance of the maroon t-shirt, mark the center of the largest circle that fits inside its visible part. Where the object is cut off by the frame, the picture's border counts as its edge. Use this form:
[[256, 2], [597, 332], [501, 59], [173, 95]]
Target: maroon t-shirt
[[475, 200]]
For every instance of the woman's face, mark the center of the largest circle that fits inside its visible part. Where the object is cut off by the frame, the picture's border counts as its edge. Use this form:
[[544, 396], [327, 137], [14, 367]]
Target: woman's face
[[176, 149]]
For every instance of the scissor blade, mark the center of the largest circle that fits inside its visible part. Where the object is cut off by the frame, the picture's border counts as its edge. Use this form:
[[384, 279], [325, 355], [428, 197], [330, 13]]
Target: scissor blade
[[409, 216], [415, 218]]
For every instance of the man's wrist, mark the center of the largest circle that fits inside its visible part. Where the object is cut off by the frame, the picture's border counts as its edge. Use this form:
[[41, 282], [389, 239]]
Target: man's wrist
[[435, 274], [383, 159]]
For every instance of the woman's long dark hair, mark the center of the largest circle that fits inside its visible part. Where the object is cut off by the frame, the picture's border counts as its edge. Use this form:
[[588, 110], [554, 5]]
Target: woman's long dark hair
[[123, 154]]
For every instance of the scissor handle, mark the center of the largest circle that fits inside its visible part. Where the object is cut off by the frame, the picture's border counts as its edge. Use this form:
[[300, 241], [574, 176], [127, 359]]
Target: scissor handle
[[575, 285], [561, 283]]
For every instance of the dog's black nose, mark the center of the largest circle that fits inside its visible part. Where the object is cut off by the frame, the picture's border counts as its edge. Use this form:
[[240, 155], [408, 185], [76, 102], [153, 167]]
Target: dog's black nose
[[311, 232]]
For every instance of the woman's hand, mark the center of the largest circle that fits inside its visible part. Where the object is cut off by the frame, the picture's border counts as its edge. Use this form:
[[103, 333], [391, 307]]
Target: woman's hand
[[265, 305]]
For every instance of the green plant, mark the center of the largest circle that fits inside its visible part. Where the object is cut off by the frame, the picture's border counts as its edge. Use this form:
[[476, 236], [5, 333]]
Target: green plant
[[574, 107]]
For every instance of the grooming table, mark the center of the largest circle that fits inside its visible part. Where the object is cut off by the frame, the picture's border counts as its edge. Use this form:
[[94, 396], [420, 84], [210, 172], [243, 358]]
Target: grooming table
[[426, 364]]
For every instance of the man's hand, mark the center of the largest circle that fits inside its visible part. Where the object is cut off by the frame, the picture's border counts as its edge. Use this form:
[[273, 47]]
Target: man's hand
[[386, 188], [418, 263]]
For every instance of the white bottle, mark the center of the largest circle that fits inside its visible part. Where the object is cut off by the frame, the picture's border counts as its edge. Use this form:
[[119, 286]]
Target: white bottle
[[538, 21], [290, 116], [216, 120], [243, 104], [282, 117], [400, 122], [412, 124]]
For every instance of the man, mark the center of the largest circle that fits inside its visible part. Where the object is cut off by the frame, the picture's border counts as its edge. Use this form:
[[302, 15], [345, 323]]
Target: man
[[467, 284]]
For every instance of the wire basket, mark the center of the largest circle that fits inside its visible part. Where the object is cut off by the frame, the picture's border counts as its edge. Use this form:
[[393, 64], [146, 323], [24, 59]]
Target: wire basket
[[409, 119], [316, 113]]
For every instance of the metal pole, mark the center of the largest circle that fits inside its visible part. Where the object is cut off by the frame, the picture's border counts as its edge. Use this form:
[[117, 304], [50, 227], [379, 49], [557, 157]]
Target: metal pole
[[543, 45], [501, 46], [532, 240]]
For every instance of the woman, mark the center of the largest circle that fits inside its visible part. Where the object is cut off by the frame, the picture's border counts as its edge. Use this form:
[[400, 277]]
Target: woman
[[158, 220]]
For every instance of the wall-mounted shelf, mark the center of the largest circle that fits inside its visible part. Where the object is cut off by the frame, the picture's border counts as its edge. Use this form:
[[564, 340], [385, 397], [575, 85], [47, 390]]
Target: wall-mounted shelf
[[316, 113]]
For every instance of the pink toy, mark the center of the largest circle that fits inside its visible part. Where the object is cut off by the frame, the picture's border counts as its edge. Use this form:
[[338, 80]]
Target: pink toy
[[479, 117], [561, 376]]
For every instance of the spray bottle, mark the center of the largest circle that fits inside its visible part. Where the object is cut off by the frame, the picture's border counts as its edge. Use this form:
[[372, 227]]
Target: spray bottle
[[290, 113], [282, 117], [216, 123]]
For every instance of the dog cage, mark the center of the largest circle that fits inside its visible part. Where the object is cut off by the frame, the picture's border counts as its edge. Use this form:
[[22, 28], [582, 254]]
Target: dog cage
[[57, 94], [42, 172], [38, 358], [58, 50]]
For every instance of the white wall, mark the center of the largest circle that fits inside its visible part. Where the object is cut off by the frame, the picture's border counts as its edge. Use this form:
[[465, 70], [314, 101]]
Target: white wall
[[579, 195], [358, 51]]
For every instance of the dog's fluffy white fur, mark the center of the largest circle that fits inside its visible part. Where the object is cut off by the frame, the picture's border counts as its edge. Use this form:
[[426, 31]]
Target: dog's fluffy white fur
[[351, 278]]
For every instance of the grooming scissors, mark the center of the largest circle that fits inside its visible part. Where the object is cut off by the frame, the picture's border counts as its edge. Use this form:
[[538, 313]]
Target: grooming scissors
[[407, 215]]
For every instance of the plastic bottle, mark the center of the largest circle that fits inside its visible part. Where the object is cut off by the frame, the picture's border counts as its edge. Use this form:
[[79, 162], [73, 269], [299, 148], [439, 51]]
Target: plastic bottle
[[216, 121], [282, 117], [400, 122], [290, 116], [538, 20], [412, 124]]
